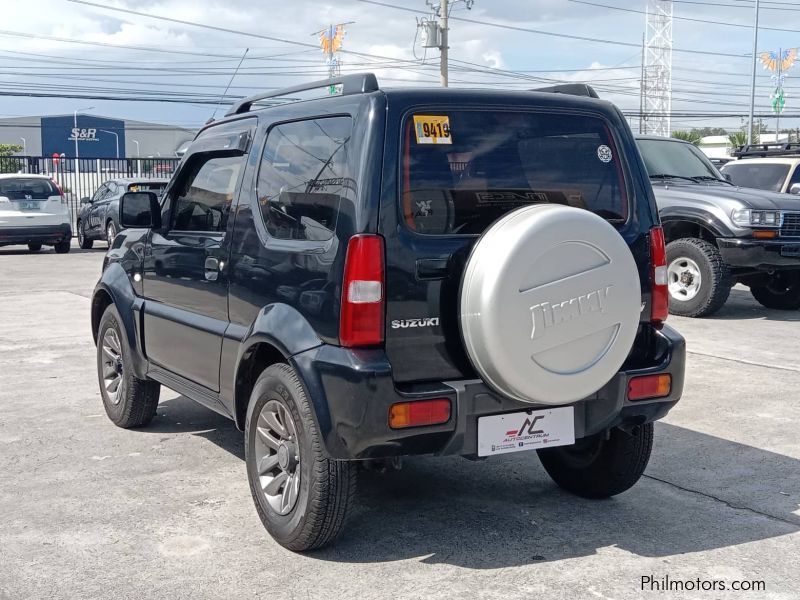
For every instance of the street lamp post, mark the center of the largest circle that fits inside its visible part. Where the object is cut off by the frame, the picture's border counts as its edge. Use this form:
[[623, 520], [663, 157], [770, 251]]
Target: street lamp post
[[138, 161], [77, 155], [116, 139], [24, 146], [753, 80]]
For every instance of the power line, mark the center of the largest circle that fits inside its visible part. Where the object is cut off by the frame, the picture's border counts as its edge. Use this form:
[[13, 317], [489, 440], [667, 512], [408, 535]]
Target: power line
[[227, 30], [546, 33], [750, 7], [642, 12]]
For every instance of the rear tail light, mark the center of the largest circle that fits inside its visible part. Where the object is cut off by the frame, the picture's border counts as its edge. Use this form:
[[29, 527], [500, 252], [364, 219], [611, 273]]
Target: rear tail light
[[649, 386], [659, 292], [60, 191], [419, 413], [362, 314]]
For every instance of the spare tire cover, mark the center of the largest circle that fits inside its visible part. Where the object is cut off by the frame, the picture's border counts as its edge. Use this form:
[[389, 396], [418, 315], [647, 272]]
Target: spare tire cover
[[550, 304]]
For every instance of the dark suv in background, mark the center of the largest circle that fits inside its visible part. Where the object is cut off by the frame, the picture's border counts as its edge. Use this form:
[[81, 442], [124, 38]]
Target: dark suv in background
[[367, 274], [719, 234], [98, 216]]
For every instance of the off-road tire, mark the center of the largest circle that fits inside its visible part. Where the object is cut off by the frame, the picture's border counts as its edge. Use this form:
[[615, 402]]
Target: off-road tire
[[62, 247], [781, 293], [84, 242], [327, 487], [599, 467], [716, 282], [137, 405], [34, 247]]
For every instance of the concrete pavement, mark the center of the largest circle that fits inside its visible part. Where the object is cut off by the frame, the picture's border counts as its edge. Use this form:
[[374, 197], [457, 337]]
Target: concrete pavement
[[88, 510]]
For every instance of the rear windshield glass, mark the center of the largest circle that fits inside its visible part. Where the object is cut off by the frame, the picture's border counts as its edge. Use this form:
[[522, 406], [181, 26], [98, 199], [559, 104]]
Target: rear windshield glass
[[462, 170], [27, 188], [148, 186], [761, 176]]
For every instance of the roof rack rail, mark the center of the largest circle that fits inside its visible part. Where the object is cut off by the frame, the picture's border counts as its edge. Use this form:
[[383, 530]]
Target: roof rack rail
[[357, 83], [763, 150], [573, 89]]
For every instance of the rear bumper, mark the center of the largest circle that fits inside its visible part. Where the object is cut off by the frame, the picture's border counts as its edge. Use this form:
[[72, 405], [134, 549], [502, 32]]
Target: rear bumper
[[761, 254], [352, 390], [42, 234]]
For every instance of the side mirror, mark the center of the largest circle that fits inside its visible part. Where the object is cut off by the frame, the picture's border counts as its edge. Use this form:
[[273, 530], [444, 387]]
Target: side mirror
[[795, 189], [139, 209], [86, 200], [727, 176]]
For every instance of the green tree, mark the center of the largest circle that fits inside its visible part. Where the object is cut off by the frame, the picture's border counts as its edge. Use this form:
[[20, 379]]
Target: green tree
[[737, 138], [692, 137], [706, 131], [8, 164]]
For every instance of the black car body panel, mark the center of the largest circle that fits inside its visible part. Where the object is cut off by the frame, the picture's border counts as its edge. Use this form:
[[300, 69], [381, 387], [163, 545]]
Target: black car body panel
[[201, 308]]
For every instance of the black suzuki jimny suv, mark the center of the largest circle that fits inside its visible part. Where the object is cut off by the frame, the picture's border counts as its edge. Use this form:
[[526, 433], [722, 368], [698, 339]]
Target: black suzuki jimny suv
[[354, 274]]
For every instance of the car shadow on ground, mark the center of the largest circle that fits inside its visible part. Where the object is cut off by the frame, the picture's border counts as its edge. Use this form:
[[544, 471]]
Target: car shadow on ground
[[182, 415], [699, 493], [22, 251], [741, 306]]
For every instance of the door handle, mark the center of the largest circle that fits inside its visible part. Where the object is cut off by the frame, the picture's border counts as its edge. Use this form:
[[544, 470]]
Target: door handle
[[212, 267], [432, 268]]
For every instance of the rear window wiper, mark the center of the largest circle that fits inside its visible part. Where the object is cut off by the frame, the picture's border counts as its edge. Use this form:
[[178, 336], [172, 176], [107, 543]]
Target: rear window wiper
[[669, 176]]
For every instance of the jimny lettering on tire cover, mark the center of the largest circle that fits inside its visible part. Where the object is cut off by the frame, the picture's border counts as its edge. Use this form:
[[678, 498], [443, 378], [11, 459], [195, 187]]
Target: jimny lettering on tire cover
[[550, 314]]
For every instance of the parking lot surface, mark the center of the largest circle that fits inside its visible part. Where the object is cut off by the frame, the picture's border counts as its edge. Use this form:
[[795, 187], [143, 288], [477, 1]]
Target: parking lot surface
[[89, 510]]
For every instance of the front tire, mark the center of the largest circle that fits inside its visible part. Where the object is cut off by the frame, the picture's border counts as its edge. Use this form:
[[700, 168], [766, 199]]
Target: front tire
[[62, 247], [111, 233], [128, 400], [699, 280], [782, 292], [34, 247], [598, 467], [84, 242], [301, 496]]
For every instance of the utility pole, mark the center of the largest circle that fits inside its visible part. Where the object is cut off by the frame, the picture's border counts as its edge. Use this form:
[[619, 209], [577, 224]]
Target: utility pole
[[443, 47], [753, 82], [778, 107], [641, 94]]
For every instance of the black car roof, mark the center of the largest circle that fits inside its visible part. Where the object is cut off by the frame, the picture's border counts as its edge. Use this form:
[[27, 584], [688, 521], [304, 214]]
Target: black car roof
[[660, 139], [130, 180]]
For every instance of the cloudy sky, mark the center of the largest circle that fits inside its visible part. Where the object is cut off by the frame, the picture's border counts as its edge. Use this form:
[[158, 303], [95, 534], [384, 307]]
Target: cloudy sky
[[496, 43]]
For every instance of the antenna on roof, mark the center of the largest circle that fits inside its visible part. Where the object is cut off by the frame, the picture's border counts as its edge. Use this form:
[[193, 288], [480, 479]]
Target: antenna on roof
[[222, 97]]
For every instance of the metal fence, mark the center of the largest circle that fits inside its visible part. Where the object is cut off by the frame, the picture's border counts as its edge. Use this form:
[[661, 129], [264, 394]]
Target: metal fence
[[80, 178]]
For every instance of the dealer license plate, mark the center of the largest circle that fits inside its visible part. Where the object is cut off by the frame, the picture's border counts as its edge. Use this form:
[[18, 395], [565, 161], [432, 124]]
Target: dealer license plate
[[526, 430]]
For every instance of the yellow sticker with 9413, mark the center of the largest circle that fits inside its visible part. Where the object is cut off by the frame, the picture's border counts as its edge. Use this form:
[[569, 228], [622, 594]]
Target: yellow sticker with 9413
[[432, 129]]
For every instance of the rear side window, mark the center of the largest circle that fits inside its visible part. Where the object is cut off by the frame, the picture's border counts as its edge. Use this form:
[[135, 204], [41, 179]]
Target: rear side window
[[305, 175], [146, 186], [763, 176], [462, 170], [203, 200], [27, 188]]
